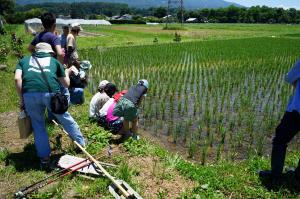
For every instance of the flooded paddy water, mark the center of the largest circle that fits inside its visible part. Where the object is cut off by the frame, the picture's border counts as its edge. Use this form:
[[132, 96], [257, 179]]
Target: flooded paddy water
[[211, 100]]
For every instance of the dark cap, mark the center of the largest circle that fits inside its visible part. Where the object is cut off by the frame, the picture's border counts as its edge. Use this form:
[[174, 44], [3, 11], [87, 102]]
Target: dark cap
[[110, 89]]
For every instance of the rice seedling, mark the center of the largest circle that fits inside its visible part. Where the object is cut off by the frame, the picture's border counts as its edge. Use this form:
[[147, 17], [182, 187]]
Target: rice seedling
[[230, 93]]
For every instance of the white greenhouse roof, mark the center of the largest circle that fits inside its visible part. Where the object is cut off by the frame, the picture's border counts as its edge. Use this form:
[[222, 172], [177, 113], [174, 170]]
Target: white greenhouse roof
[[191, 19], [70, 21]]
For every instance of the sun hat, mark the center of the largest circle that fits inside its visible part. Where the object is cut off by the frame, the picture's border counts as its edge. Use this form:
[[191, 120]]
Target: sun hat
[[85, 65], [76, 26], [144, 82], [102, 84], [44, 48]]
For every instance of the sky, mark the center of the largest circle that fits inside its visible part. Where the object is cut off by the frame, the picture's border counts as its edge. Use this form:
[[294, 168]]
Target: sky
[[270, 3]]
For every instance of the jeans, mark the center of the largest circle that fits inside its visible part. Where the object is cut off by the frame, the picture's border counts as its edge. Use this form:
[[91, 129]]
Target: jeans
[[115, 126], [286, 130], [76, 95], [35, 105]]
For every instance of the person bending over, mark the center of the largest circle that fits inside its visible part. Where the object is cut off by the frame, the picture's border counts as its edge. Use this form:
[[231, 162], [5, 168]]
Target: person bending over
[[107, 120], [105, 92], [127, 107]]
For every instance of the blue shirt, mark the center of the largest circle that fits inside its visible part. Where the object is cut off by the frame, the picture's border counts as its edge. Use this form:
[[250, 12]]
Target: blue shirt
[[47, 37], [63, 41], [293, 77]]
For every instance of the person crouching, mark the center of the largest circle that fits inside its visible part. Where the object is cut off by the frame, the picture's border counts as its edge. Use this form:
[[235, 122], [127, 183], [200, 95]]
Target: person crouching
[[127, 107]]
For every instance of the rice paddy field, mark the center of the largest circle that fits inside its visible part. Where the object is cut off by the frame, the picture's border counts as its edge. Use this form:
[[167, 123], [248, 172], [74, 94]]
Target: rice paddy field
[[220, 98], [215, 98]]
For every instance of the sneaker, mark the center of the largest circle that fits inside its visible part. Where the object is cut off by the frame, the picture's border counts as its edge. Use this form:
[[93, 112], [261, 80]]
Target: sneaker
[[45, 164], [274, 180], [265, 174], [135, 136], [297, 182], [125, 137]]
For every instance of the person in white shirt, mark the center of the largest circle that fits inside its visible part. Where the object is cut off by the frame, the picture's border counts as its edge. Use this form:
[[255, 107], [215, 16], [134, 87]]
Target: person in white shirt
[[105, 91]]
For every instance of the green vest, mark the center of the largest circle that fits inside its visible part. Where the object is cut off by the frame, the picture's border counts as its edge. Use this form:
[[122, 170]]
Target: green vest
[[32, 80]]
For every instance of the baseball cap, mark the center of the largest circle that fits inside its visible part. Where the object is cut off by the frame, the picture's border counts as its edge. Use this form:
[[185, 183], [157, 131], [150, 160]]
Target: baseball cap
[[144, 82], [102, 84], [44, 47]]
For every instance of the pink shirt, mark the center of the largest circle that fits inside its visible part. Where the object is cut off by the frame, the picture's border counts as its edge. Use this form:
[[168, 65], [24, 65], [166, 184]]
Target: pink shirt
[[110, 117]]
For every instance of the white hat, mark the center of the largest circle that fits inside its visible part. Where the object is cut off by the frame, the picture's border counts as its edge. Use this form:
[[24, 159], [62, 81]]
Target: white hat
[[76, 26], [44, 47], [102, 84], [144, 82], [85, 65]]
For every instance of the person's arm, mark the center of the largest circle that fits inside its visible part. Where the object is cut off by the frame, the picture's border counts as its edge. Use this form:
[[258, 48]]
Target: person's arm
[[18, 83], [294, 74], [65, 78], [60, 54], [31, 48], [65, 81], [70, 46]]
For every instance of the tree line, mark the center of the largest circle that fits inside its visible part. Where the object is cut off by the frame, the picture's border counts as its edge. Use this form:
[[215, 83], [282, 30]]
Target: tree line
[[257, 14]]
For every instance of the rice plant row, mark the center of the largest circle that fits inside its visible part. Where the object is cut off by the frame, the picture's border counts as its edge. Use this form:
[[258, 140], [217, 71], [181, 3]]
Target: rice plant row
[[220, 99]]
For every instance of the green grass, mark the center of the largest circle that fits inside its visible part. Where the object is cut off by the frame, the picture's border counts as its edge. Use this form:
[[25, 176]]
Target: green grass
[[128, 35], [221, 179]]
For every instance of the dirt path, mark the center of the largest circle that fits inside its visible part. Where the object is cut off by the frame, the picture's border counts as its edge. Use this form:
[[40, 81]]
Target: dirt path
[[90, 34], [9, 132], [155, 179]]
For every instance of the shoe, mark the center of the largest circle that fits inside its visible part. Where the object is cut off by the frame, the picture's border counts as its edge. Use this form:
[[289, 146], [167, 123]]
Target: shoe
[[297, 182], [135, 137], [45, 164], [265, 174], [273, 180], [125, 136], [296, 177]]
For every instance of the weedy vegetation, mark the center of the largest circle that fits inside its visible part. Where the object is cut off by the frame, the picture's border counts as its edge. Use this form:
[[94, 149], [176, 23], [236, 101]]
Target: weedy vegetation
[[218, 93]]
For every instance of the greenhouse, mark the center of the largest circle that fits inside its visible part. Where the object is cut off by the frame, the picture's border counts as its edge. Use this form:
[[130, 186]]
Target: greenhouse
[[34, 25]]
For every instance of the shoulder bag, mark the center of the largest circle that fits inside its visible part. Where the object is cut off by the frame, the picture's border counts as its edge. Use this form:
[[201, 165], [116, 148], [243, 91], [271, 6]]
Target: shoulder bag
[[59, 102]]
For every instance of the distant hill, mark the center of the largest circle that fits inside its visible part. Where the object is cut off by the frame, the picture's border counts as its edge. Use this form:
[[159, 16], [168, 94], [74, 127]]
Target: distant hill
[[190, 4]]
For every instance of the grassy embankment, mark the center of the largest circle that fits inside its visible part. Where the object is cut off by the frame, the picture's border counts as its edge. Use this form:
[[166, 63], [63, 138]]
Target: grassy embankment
[[221, 179]]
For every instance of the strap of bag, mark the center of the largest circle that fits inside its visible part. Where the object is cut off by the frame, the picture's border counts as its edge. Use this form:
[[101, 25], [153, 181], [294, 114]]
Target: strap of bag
[[43, 74]]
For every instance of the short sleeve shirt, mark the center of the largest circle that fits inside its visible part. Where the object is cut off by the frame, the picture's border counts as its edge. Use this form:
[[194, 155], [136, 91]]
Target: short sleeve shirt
[[104, 109], [63, 41], [71, 42], [97, 102], [135, 93], [47, 37], [32, 80]]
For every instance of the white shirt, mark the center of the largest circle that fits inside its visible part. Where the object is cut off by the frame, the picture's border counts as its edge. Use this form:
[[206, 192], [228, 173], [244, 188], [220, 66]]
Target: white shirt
[[97, 102], [104, 109]]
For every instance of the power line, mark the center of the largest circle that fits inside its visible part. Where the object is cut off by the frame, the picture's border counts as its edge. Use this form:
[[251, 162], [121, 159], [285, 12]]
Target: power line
[[179, 5]]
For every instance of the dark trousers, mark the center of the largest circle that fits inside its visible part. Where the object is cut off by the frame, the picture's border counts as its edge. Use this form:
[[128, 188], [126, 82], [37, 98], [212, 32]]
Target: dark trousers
[[286, 130]]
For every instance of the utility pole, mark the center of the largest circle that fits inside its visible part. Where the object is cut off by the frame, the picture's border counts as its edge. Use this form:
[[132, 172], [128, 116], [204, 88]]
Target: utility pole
[[180, 6], [181, 10], [168, 13]]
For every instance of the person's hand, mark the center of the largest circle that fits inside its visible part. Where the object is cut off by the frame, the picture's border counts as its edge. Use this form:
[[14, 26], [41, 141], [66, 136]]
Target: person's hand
[[63, 52], [74, 70]]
